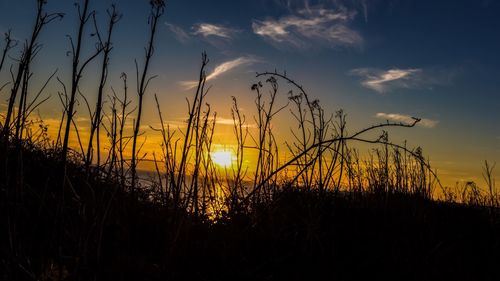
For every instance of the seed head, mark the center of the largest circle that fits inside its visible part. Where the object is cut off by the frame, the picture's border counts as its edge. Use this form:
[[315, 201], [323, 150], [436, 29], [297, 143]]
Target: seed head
[[157, 3]]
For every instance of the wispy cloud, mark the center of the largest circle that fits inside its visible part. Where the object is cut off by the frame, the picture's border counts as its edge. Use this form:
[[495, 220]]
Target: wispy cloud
[[313, 27], [179, 33], [224, 121], [213, 30], [216, 35], [220, 70], [358, 5], [387, 80], [221, 121], [407, 119], [230, 122]]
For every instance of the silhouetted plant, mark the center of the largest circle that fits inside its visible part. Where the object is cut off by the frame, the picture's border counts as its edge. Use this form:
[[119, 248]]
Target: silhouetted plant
[[96, 117], [264, 142], [236, 181], [78, 67], [10, 43], [21, 79], [157, 10], [490, 183], [313, 149]]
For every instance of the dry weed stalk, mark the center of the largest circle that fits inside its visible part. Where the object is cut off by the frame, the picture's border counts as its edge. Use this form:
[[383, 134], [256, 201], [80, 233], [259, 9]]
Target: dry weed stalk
[[157, 10], [96, 117]]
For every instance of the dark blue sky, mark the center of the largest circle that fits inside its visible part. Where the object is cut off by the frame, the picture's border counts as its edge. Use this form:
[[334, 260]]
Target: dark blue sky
[[378, 60]]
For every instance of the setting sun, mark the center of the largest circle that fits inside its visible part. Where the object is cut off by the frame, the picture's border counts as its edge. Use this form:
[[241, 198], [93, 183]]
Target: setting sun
[[223, 158]]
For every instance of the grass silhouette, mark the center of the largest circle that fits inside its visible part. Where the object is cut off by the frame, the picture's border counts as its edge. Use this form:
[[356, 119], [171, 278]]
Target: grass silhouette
[[323, 213]]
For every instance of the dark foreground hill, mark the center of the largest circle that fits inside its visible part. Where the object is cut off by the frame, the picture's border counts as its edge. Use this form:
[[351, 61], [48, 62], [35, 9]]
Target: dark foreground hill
[[93, 229]]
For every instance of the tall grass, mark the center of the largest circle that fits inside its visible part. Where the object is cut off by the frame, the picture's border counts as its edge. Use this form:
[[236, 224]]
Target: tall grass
[[318, 165], [322, 154]]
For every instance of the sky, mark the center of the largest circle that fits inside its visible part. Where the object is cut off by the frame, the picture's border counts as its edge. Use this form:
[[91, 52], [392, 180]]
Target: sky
[[377, 60]]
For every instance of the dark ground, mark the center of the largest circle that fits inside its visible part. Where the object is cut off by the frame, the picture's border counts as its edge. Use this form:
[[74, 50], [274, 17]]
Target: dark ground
[[104, 233]]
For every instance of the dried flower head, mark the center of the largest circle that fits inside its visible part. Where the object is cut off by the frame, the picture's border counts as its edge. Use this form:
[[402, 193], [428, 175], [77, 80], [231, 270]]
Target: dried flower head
[[271, 80], [256, 86], [295, 98], [339, 113], [315, 104], [157, 3]]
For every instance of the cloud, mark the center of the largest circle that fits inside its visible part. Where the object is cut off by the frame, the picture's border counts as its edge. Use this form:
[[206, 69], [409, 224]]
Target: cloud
[[396, 117], [220, 70], [225, 121], [216, 35], [179, 33], [364, 6], [230, 122], [314, 27], [208, 30], [387, 80]]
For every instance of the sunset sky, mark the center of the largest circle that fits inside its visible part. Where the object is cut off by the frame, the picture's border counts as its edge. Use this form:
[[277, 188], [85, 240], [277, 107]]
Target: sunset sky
[[376, 59]]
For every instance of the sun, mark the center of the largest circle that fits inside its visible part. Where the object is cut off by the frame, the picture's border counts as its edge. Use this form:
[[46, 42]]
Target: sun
[[223, 158]]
